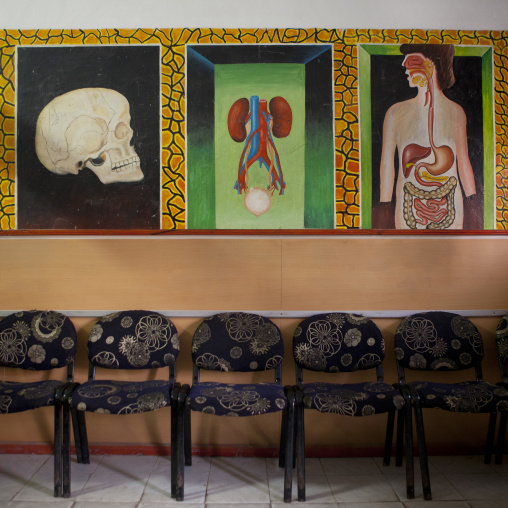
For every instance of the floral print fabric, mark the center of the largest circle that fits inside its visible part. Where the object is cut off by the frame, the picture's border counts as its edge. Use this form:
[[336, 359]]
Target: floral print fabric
[[121, 397], [17, 397], [359, 399], [133, 340], [338, 342], [34, 340], [128, 340], [237, 342], [37, 340], [502, 339], [465, 397], [438, 341], [236, 399]]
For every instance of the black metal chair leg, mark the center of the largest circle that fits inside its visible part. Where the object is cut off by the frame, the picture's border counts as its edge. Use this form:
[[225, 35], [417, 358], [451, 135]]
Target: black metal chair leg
[[288, 459], [422, 449], [77, 436], [58, 450], [489, 445], [399, 450], [300, 444], [187, 436], [181, 442], [408, 425], [174, 437], [283, 430], [501, 435], [85, 453], [389, 437], [66, 450]]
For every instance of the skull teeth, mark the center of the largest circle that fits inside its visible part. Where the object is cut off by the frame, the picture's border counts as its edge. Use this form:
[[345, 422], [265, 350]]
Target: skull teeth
[[126, 165]]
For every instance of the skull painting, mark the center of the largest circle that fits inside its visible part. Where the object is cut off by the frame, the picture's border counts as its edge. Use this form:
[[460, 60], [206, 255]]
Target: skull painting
[[88, 128]]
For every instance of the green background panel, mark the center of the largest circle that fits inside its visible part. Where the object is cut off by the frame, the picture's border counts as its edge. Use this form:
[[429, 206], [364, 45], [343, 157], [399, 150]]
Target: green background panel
[[266, 81]]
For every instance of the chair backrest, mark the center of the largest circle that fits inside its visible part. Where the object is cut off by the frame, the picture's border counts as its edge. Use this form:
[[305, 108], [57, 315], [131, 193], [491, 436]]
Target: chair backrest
[[37, 340], [239, 342], [136, 339], [436, 340], [338, 342], [502, 347]]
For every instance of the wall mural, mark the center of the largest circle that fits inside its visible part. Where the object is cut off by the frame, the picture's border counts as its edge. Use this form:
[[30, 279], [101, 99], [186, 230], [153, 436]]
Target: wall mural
[[257, 128], [149, 130]]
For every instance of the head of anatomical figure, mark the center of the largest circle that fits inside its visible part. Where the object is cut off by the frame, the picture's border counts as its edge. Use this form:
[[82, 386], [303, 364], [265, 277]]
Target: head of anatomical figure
[[422, 60]]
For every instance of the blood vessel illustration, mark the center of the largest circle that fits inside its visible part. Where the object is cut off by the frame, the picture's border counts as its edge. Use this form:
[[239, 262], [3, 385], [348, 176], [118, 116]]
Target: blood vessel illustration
[[257, 123]]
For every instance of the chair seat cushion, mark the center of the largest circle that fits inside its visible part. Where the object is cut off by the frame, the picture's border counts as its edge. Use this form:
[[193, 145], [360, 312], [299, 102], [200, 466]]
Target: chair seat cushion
[[236, 399], [121, 397], [358, 399], [16, 397], [465, 397]]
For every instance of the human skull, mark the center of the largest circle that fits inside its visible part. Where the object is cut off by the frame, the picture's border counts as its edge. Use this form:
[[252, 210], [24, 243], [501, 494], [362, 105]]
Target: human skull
[[89, 127]]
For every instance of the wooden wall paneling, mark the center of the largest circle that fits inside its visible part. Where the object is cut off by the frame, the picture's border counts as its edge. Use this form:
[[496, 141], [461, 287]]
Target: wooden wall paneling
[[394, 274], [162, 273]]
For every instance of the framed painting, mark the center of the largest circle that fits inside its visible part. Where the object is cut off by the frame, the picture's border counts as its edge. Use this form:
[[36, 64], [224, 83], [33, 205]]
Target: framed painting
[[427, 137], [88, 137], [267, 179]]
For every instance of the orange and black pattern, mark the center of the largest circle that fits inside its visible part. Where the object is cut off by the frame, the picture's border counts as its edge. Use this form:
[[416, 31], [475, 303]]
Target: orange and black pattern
[[173, 42]]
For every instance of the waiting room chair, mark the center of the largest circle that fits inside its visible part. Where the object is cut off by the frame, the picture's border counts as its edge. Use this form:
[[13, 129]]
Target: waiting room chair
[[502, 406], [442, 341], [335, 344], [128, 340], [239, 342], [39, 341]]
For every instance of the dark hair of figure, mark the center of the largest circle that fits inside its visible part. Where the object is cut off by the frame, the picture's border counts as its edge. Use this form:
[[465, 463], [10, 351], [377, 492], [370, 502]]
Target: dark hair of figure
[[442, 57]]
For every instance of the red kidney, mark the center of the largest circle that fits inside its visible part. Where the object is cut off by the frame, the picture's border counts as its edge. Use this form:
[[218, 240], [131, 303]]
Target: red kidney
[[236, 119], [282, 117]]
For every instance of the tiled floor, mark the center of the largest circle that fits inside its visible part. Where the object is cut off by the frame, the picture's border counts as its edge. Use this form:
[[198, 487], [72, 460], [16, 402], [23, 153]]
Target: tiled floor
[[143, 482]]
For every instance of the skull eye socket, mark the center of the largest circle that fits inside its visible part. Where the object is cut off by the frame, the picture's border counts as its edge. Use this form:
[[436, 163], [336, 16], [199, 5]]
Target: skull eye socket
[[99, 161], [121, 130]]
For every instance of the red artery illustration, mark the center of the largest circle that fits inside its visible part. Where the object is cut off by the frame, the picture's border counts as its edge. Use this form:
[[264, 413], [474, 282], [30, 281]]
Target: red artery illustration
[[259, 144]]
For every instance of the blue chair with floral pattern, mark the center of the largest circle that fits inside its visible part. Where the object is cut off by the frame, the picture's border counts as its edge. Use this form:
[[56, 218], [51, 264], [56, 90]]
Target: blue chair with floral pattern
[[443, 341], [39, 341], [128, 340], [338, 343], [502, 406], [238, 342]]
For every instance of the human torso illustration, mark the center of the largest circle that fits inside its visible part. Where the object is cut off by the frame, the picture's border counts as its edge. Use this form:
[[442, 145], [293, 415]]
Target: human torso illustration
[[429, 133]]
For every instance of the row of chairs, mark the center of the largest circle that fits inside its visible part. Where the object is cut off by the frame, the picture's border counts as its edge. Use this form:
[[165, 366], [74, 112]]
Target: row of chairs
[[241, 342]]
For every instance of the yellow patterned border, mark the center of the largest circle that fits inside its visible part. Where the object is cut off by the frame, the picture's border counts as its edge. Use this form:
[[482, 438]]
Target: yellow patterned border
[[173, 41]]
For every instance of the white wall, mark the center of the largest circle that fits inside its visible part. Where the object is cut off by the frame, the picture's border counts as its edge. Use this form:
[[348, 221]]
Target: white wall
[[425, 14]]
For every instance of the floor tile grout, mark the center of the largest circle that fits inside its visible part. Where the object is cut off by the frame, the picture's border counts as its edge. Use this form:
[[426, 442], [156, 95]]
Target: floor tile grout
[[459, 482]]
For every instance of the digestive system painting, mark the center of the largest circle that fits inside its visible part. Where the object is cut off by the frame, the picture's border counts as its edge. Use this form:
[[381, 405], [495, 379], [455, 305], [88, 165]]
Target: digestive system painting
[[429, 133]]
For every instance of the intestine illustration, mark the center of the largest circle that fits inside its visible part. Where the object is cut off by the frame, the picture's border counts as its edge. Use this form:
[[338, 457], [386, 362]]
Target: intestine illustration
[[257, 123], [435, 208]]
